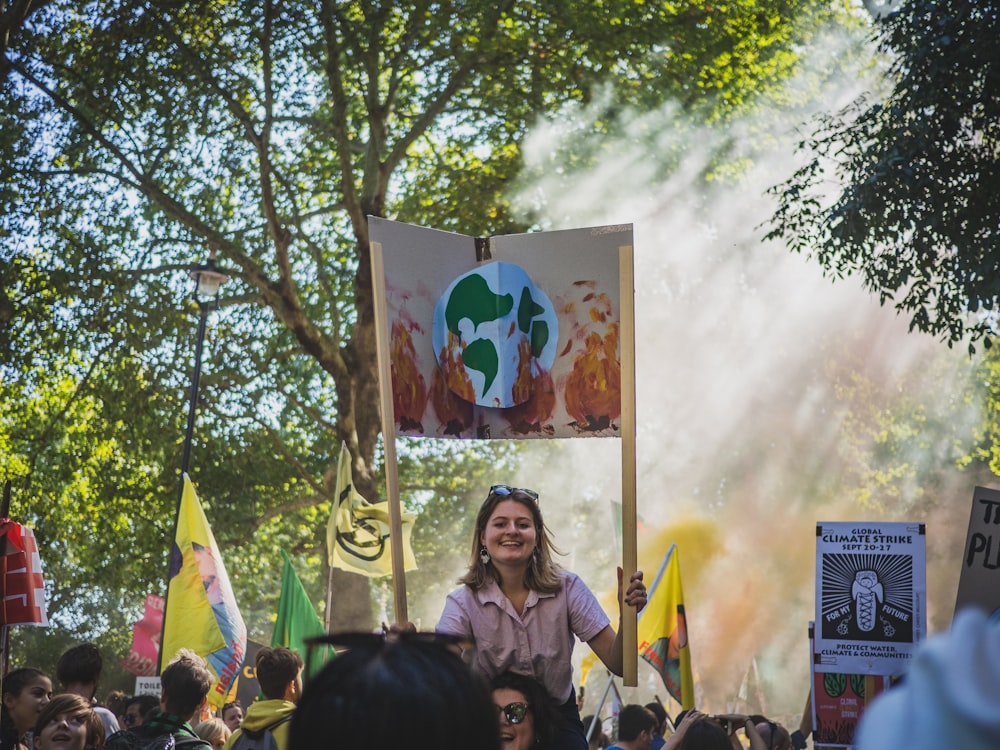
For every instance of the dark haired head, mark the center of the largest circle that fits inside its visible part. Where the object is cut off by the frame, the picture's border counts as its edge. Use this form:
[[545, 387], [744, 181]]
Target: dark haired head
[[633, 720], [597, 733], [185, 682], [545, 715], [706, 734], [276, 668], [80, 665], [14, 683], [73, 706], [143, 703], [659, 712], [382, 693]]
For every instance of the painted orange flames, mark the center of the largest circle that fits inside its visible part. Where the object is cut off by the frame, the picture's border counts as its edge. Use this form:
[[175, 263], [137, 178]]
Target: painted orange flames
[[409, 391], [592, 390]]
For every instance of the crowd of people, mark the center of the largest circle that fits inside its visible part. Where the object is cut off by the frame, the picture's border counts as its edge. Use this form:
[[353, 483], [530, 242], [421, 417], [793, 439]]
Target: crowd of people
[[495, 674]]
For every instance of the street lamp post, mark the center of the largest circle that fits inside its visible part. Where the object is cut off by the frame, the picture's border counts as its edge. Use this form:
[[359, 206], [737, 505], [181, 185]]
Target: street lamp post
[[208, 279]]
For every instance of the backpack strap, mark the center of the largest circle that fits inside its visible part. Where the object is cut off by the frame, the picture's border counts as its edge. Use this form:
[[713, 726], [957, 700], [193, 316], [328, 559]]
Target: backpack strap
[[191, 742], [264, 730]]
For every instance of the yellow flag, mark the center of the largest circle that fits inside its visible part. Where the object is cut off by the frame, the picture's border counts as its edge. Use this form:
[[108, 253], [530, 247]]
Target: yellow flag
[[357, 536], [201, 612], [662, 631]]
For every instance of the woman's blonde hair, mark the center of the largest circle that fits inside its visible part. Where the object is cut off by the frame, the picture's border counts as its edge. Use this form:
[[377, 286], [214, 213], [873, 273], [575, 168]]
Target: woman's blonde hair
[[212, 730], [543, 572]]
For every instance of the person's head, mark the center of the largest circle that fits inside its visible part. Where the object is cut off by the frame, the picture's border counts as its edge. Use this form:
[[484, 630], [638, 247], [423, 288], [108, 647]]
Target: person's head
[[26, 692], [661, 715], [596, 738], [706, 733], [79, 670], [232, 714], [68, 723], [775, 736], [137, 709], [116, 701], [213, 731], [524, 710], [510, 525], [279, 672], [382, 692], [636, 726], [185, 682]]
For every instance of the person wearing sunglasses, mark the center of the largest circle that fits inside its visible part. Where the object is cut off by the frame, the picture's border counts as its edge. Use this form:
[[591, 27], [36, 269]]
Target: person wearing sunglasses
[[523, 611], [527, 719]]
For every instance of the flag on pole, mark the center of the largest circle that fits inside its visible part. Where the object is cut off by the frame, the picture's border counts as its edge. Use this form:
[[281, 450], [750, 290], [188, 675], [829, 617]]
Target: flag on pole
[[297, 618], [662, 631], [201, 612], [357, 536], [23, 590]]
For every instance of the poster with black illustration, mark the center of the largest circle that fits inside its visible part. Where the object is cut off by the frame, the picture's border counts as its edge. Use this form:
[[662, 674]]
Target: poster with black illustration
[[871, 595]]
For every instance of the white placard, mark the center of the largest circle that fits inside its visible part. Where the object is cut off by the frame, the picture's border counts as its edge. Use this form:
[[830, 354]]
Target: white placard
[[871, 592]]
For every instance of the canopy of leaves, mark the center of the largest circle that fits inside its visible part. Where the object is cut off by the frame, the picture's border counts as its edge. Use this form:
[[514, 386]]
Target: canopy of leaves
[[916, 213], [137, 134]]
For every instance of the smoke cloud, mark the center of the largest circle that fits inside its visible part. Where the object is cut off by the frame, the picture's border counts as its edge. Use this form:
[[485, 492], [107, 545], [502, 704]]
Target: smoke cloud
[[769, 398]]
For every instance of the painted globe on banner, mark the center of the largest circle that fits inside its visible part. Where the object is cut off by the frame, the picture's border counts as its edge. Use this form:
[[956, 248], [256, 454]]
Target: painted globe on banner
[[494, 334]]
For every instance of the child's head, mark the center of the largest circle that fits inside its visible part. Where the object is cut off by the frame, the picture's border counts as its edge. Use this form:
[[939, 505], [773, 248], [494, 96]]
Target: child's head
[[68, 723]]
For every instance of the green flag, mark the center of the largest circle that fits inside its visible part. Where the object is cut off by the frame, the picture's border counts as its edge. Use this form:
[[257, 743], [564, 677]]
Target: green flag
[[297, 619]]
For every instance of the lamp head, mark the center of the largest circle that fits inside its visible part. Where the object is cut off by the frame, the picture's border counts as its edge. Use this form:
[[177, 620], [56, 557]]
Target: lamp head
[[208, 279]]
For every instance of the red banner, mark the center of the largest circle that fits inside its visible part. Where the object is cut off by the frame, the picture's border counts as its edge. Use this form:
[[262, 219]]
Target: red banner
[[146, 639]]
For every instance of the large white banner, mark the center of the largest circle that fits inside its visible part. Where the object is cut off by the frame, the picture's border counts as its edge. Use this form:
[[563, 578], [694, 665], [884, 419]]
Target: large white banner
[[871, 593]]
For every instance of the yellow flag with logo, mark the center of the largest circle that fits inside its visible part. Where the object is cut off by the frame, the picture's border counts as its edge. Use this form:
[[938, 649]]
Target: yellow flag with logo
[[357, 536], [662, 631]]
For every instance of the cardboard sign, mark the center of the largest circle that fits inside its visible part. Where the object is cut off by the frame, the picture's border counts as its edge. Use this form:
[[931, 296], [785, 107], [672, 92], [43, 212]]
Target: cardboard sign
[[871, 592], [838, 702], [979, 582], [147, 686], [515, 336]]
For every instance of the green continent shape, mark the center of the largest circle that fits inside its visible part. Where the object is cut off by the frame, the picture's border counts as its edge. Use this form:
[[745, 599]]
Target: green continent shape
[[472, 298], [539, 337], [527, 310], [481, 355]]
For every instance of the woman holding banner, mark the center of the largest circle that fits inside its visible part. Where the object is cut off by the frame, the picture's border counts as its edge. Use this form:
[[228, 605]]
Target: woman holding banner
[[523, 610]]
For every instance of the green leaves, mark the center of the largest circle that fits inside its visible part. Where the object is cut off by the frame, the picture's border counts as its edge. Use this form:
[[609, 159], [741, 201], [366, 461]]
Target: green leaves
[[915, 214]]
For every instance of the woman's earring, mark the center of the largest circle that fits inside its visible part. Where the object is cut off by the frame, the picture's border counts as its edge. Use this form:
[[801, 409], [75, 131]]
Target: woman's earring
[[484, 555]]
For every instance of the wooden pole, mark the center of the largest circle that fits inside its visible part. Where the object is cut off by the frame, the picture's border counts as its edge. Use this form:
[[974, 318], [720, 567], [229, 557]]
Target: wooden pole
[[388, 433], [626, 296]]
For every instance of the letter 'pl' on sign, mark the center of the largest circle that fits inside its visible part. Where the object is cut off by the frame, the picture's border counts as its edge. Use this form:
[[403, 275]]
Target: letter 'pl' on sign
[[979, 583]]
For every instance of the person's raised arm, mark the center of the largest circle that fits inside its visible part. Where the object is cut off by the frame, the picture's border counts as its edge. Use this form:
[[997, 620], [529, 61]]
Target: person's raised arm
[[674, 740], [608, 644]]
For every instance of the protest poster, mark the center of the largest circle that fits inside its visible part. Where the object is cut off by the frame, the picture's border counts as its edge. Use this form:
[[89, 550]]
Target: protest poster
[[838, 702], [513, 336], [871, 593], [148, 685], [979, 581]]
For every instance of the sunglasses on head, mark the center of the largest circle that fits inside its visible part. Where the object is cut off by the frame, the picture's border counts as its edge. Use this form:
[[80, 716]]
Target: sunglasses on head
[[515, 712], [505, 489]]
